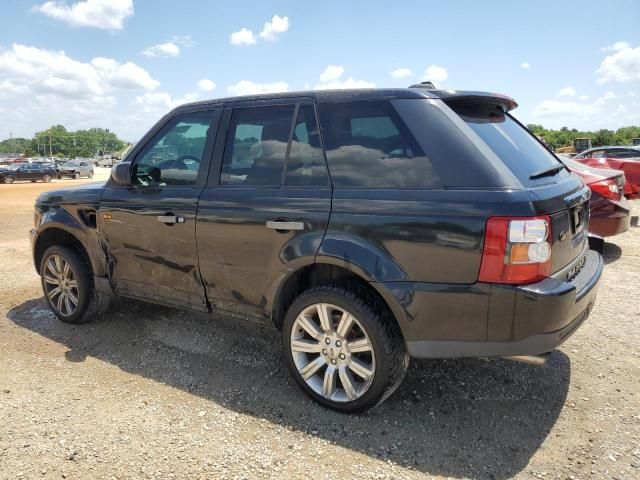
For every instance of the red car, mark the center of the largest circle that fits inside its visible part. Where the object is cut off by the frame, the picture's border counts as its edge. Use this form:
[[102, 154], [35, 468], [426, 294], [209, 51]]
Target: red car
[[609, 210], [626, 159]]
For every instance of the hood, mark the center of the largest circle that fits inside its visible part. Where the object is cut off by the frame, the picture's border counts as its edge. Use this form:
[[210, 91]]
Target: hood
[[85, 194]]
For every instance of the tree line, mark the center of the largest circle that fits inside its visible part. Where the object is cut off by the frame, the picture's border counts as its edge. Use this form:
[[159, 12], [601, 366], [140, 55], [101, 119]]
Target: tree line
[[565, 136], [57, 141]]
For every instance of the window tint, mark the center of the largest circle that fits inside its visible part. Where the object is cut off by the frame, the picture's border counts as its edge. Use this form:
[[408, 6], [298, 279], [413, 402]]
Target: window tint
[[306, 166], [175, 155], [511, 142], [368, 145], [256, 146]]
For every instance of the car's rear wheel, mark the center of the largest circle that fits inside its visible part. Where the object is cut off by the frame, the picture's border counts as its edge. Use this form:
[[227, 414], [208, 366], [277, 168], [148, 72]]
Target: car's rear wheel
[[46, 178], [9, 179], [343, 348], [67, 283]]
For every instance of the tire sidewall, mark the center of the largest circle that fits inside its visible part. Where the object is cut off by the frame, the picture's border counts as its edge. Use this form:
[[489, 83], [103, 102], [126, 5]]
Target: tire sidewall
[[377, 387], [82, 276]]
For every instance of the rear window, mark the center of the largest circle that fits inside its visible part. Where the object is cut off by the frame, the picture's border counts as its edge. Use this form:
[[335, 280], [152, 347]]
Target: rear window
[[368, 145], [512, 143]]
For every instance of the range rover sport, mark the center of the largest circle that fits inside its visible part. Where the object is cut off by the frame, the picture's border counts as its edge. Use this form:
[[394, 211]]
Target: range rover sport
[[369, 226]]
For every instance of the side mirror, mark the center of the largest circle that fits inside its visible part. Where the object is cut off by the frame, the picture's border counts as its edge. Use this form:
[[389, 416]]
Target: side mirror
[[121, 173]]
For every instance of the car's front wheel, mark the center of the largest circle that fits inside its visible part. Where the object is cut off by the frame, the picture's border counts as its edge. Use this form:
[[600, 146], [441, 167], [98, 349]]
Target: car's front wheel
[[67, 283], [9, 179], [76, 175], [343, 348]]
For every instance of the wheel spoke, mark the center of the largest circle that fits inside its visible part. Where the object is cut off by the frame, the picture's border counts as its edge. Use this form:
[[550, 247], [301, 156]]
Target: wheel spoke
[[67, 304], [310, 327], [73, 297], [345, 325], [73, 284], [65, 269], [348, 383], [58, 263], [329, 384], [310, 369], [360, 345], [323, 314], [53, 293], [307, 346], [52, 267], [61, 298], [50, 279], [360, 369]]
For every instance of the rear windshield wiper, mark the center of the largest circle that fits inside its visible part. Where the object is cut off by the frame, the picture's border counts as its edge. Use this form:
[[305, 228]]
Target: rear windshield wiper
[[547, 172]]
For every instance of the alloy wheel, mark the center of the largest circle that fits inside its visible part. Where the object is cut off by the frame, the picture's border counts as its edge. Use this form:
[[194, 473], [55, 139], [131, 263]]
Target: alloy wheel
[[332, 352], [9, 179], [46, 178], [61, 286]]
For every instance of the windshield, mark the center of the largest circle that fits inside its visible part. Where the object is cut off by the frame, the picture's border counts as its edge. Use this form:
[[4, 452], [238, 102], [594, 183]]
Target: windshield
[[71, 164], [514, 144]]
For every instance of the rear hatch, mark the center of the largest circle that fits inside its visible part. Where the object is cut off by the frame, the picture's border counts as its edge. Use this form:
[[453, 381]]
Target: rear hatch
[[554, 190]]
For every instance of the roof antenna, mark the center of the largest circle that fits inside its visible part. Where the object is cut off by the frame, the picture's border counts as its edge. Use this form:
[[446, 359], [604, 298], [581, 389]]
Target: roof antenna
[[427, 85]]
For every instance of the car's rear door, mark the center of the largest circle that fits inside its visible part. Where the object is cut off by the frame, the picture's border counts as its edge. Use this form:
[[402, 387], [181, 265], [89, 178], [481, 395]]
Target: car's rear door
[[149, 227], [267, 204]]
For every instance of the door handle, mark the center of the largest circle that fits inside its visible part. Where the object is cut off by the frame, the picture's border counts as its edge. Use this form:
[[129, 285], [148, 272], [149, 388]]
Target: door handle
[[170, 219], [285, 225]]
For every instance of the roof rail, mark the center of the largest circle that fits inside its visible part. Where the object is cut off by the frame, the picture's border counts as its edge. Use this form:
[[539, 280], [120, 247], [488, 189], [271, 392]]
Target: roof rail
[[427, 85]]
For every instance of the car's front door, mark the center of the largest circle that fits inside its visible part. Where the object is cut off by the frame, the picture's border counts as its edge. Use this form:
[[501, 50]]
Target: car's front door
[[265, 210], [149, 227]]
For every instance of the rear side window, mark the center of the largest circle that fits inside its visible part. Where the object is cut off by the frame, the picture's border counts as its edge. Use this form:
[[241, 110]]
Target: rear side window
[[306, 165], [368, 145], [512, 143], [256, 146]]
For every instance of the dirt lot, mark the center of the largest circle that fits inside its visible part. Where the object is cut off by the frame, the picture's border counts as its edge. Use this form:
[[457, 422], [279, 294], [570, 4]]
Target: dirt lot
[[151, 392]]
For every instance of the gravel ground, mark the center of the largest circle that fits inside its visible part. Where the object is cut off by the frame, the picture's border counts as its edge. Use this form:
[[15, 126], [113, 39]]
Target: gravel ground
[[151, 392]]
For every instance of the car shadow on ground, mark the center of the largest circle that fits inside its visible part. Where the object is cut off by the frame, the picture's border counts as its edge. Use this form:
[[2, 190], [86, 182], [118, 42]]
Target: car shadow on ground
[[611, 253], [455, 418]]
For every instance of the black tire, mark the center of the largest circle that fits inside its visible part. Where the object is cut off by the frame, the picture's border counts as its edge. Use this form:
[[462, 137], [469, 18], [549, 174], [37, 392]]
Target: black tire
[[9, 179], [388, 344], [91, 303]]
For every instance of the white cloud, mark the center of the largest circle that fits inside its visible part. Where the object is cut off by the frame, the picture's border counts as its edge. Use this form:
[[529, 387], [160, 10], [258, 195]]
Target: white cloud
[[615, 47], [332, 72], [435, 74], [105, 14], [247, 87], [608, 96], [567, 92], [568, 110], [400, 73], [47, 71], [242, 37], [275, 27], [621, 66], [206, 85], [184, 41], [584, 97], [158, 103], [525, 65], [330, 79], [168, 49]]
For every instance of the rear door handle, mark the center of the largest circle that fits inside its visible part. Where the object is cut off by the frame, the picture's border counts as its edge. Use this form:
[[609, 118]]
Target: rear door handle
[[285, 225], [170, 219]]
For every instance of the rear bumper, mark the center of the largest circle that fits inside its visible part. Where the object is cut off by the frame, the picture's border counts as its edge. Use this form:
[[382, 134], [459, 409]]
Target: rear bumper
[[486, 320], [610, 218]]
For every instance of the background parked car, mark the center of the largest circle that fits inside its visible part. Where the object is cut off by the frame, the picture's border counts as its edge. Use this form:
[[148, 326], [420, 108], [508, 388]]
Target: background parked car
[[610, 211], [27, 171], [48, 163], [77, 169], [626, 159]]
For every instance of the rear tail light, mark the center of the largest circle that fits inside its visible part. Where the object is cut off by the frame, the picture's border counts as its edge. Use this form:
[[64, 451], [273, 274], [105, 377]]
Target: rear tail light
[[517, 250], [609, 188]]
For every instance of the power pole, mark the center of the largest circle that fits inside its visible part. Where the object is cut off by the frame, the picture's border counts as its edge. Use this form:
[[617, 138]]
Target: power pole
[[50, 150], [13, 148], [38, 141]]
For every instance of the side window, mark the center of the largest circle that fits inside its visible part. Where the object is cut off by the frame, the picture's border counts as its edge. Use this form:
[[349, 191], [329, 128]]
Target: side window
[[597, 154], [174, 156], [306, 166], [256, 146], [368, 145]]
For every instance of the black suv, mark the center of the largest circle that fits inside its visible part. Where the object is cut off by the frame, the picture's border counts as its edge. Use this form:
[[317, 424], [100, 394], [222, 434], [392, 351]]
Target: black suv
[[367, 225]]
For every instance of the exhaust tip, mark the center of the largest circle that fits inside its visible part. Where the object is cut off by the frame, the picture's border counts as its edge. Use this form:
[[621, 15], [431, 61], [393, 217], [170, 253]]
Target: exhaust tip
[[538, 360]]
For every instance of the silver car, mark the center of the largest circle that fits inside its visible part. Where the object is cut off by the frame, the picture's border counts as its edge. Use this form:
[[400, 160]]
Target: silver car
[[77, 169]]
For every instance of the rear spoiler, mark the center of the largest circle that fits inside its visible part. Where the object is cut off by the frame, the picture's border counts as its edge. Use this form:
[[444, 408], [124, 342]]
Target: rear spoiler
[[462, 97]]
